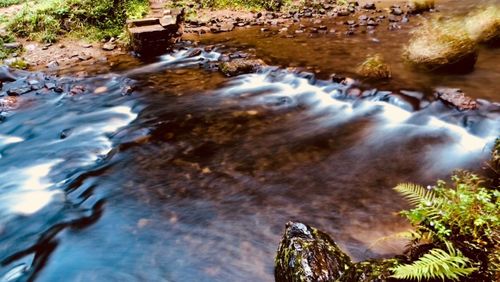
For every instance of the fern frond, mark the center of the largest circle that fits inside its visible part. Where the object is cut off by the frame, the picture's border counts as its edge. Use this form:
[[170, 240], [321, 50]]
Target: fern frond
[[437, 263], [415, 194], [408, 235]]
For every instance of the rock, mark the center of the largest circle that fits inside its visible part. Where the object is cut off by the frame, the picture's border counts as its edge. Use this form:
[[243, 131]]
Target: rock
[[52, 65], [369, 6], [393, 18], [307, 254], [456, 97], [86, 45], [337, 78], [194, 53], [84, 57], [12, 46], [310, 255], [108, 46], [241, 66], [18, 91], [363, 18], [225, 27], [396, 11]]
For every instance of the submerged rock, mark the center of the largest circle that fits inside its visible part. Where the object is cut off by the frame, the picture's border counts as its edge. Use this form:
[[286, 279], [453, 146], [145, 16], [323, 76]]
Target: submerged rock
[[307, 254], [241, 66]]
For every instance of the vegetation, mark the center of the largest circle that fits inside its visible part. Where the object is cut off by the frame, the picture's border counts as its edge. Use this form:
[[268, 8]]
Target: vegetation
[[46, 20], [6, 3], [375, 68], [483, 25], [5, 52], [457, 229], [441, 45], [272, 5]]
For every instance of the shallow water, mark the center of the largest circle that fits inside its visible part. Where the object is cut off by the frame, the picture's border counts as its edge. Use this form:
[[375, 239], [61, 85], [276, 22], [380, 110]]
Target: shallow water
[[193, 175]]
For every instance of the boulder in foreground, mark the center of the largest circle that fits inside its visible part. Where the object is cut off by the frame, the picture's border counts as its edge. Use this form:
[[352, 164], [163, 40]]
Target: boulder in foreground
[[307, 254]]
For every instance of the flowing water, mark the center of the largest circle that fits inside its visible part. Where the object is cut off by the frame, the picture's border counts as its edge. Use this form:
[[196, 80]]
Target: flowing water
[[192, 176]]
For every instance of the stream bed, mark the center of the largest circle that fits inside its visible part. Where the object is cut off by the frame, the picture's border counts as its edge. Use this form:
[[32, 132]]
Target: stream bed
[[169, 171]]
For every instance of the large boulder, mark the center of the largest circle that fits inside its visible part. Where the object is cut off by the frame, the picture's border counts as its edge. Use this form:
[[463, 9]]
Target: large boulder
[[442, 46], [308, 254]]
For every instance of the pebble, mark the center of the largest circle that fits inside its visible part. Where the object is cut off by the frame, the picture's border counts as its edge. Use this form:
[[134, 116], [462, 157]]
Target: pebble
[[53, 65]]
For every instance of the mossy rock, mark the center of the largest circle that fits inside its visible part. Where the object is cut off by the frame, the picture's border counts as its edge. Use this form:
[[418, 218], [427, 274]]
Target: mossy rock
[[483, 25], [442, 46], [374, 68], [240, 66], [308, 254]]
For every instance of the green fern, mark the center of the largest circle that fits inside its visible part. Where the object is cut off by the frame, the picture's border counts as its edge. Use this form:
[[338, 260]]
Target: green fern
[[437, 263], [415, 194]]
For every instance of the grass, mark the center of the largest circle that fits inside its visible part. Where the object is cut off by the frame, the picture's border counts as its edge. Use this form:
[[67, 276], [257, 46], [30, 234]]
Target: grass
[[419, 6], [483, 25], [46, 20], [375, 68], [4, 52], [7, 3], [441, 44]]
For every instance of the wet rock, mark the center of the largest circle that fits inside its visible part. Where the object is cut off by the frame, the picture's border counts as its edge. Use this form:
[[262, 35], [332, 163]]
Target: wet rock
[[396, 11], [337, 78], [194, 53], [369, 6], [6, 75], [225, 27], [308, 254], [240, 66], [18, 91], [393, 18], [456, 97], [52, 65], [77, 89]]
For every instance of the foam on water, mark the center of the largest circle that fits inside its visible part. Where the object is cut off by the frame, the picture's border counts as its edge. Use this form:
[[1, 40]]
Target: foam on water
[[26, 189], [269, 86]]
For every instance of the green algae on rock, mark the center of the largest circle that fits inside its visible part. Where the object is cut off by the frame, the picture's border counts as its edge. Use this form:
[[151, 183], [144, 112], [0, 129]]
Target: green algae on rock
[[308, 254]]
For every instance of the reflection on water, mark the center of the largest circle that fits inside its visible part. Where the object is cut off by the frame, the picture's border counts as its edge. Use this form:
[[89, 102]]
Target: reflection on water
[[193, 176]]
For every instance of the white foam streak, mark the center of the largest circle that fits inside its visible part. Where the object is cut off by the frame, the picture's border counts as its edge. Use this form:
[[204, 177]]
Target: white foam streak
[[259, 89], [26, 190]]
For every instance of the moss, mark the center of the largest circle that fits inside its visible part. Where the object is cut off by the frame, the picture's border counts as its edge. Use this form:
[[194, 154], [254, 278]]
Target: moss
[[442, 45], [375, 68], [19, 64], [483, 25], [48, 19]]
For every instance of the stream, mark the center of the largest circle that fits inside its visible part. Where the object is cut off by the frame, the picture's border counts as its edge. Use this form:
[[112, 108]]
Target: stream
[[169, 171]]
